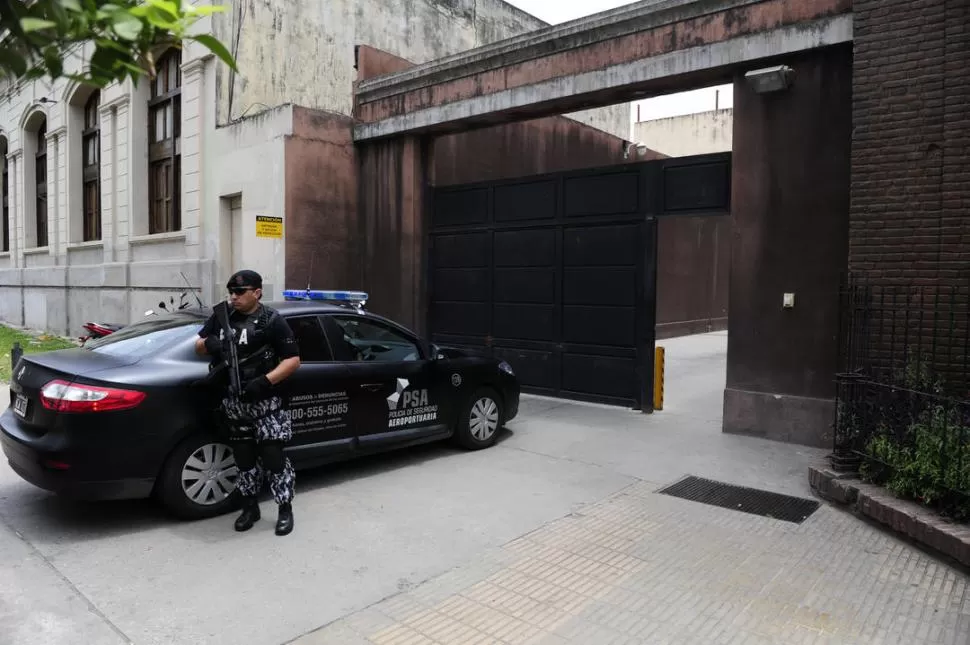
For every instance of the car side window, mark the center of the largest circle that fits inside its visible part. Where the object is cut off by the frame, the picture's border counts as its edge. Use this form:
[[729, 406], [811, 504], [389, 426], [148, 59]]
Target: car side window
[[310, 339], [360, 339]]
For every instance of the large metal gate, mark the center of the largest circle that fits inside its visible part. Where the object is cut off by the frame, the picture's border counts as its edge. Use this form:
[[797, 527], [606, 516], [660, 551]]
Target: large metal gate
[[557, 273]]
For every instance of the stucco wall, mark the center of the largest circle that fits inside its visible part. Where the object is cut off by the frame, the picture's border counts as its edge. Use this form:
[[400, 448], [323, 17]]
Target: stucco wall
[[690, 134], [302, 51], [248, 164]]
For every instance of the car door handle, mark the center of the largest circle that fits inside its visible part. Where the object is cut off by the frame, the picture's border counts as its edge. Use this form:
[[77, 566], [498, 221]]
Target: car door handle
[[373, 387]]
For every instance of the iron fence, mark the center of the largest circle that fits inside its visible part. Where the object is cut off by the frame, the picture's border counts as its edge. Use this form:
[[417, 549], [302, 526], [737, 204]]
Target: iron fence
[[903, 389]]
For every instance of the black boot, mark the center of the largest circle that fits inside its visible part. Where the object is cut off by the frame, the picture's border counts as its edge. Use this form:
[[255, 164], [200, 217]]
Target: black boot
[[250, 514], [284, 524]]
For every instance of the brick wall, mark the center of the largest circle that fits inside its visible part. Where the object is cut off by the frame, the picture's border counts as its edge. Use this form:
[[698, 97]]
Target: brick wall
[[910, 212], [911, 142]]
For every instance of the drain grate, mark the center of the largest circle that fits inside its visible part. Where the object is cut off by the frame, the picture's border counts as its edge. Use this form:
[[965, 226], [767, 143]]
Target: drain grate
[[746, 500]]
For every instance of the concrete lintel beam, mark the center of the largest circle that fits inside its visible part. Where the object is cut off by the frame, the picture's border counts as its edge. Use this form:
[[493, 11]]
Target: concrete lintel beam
[[607, 25], [730, 53]]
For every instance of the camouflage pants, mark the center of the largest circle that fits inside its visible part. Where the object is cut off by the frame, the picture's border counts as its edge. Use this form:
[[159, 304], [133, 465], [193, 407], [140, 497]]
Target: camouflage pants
[[258, 431]]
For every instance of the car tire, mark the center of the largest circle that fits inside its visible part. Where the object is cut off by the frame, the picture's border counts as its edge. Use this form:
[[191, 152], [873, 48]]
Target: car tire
[[480, 420], [180, 491]]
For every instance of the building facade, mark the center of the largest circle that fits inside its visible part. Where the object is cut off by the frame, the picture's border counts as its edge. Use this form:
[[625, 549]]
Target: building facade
[[115, 199], [688, 134]]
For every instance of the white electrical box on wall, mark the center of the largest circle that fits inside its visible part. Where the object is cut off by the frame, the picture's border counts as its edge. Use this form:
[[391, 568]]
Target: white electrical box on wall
[[788, 302]]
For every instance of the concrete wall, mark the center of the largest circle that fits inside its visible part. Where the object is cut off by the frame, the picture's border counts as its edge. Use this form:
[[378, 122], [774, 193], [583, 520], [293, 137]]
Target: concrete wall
[[689, 134], [693, 268], [302, 51], [248, 165], [790, 209], [544, 145], [323, 239]]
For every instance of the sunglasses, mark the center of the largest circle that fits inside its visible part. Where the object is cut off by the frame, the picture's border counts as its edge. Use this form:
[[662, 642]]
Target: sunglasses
[[240, 290]]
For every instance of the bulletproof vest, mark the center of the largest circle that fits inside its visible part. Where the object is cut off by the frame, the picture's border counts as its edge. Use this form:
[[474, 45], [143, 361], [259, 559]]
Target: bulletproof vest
[[252, 335]]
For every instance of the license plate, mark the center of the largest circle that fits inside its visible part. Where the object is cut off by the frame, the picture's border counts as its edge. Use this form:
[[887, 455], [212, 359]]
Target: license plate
[[20, 405]]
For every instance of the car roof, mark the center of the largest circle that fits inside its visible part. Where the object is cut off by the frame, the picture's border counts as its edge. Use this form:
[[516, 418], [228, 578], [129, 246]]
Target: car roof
[[296, 307]]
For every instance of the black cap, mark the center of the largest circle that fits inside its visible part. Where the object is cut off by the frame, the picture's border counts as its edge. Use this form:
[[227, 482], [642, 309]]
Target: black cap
[[245, 278]]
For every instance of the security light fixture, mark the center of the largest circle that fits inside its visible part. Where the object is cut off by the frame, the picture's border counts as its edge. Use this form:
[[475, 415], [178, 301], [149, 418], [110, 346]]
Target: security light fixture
[[770, 79]]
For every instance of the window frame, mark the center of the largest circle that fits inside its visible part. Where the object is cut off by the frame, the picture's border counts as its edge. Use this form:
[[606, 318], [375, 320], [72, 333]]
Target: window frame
[[330, 319], [165, 154], [323, 335], [91, 172], [5, 208], [40, 186]]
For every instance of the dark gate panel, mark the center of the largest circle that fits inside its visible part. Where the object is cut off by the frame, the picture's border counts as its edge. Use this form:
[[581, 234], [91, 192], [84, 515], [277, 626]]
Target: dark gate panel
[[557, 273]]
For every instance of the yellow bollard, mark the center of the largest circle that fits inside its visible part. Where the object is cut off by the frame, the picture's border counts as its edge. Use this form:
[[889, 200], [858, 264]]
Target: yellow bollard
[[658, 379]]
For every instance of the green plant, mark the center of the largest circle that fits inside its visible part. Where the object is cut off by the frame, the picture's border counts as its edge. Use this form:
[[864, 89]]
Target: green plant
[[929, 464]]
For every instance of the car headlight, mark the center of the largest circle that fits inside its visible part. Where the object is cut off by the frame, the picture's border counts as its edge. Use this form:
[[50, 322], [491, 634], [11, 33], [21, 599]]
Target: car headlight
[[505, 367]]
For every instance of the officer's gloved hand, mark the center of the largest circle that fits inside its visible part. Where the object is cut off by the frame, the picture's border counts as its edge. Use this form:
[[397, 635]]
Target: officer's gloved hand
[[213, 346], [258, 388]]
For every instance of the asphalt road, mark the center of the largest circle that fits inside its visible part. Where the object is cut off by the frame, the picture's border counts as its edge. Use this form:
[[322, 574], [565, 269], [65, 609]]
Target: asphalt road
[[366, 530]]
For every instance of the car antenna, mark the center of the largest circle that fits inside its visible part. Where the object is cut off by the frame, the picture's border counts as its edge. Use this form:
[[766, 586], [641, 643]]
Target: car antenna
[[309, 276], [192, 289]]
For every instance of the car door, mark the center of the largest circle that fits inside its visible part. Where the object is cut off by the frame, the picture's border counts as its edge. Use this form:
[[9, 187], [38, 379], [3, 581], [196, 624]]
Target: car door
[[316, 395], [395, 389]]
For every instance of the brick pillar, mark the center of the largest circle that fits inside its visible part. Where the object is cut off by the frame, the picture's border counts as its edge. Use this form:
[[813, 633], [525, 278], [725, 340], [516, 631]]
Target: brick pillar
[[910, 214]]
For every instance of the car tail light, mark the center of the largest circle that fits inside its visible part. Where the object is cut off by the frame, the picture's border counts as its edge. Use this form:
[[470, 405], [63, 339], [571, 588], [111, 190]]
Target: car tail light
[[61, 396]]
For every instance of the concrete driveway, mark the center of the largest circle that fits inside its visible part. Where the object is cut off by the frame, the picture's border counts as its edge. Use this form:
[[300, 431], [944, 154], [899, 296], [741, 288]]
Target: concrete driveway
[[124, 572]]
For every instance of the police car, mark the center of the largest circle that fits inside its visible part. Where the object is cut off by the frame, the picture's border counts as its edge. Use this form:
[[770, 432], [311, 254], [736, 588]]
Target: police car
[[125, 417]]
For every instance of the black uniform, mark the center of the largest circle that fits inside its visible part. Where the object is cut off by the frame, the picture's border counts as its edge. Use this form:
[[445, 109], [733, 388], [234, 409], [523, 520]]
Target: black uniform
[[259, 427]]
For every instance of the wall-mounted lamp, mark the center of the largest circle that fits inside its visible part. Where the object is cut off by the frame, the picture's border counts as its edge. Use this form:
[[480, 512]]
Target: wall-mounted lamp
[[770, 79], [641, 149]]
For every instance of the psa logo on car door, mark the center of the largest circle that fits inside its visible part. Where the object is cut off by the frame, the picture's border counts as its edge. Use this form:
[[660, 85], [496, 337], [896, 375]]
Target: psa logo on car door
[[407, 407]]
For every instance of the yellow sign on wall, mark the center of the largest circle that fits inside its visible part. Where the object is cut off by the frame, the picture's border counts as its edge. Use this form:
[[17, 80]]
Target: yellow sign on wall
[[267, 226]]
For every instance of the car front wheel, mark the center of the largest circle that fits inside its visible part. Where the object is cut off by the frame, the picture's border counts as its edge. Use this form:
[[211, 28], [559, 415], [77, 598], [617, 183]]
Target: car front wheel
[[480, 421], [198, 478]]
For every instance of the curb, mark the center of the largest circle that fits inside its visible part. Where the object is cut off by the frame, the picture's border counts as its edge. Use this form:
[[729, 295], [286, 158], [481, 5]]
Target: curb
[[907, 518]]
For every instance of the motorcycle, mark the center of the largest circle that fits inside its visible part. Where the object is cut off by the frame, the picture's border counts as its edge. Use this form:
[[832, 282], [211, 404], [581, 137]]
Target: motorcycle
[[100, 330]]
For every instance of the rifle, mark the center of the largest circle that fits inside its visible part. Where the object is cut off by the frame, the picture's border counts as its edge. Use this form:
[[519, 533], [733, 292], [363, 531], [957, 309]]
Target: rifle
[[230, 357]]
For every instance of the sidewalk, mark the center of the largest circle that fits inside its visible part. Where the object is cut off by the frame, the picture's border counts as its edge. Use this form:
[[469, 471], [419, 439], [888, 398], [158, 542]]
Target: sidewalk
[[646, 568], [641, 567]]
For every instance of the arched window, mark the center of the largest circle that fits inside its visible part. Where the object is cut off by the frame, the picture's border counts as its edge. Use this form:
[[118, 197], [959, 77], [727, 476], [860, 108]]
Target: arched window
[[164, 145], [6, 198], [40, 177], [91, 145]]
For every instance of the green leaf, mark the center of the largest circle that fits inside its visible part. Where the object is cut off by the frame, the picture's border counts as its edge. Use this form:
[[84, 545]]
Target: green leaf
[[111, 44], [207, 10], [103, 61], [161, 20], [126, 25], [12, 61], [166, 6], [36, 24], [217, 48], [73, 5], [53, 60]]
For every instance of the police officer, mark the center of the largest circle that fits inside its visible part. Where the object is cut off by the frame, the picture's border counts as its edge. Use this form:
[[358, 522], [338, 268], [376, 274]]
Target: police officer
[[258, 426]]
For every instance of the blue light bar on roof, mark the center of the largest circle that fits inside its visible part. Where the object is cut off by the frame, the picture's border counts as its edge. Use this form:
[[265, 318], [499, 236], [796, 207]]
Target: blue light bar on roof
[[357, 298]]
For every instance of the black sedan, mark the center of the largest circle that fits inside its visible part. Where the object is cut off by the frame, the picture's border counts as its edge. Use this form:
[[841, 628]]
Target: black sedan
[[125, 417]]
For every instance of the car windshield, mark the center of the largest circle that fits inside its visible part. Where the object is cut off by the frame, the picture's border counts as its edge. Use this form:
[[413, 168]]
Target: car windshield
[[146, 337]]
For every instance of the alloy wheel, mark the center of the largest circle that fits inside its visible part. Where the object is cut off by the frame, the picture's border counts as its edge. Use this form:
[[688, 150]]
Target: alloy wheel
[[209, 474], [483, 421]]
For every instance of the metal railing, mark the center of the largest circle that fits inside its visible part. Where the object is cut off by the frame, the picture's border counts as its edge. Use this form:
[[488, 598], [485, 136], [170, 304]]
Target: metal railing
[[903, 389]]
